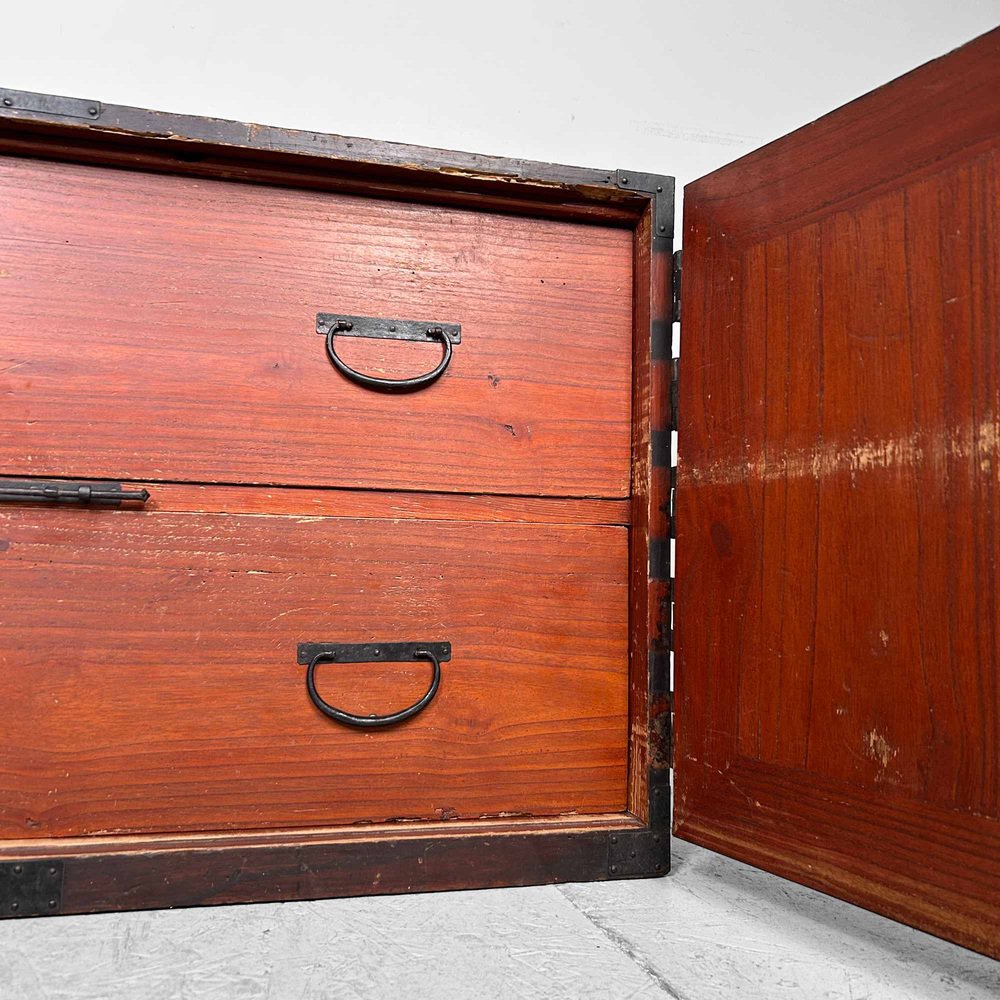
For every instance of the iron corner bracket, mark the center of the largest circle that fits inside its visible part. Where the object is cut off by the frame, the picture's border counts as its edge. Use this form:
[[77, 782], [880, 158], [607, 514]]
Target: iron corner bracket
[[644, 852], [660, 190], [30, 888]]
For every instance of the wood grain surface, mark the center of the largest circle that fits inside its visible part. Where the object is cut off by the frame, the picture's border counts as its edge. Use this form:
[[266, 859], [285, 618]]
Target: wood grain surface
[[838, 669], [151, 684], [158, 327]]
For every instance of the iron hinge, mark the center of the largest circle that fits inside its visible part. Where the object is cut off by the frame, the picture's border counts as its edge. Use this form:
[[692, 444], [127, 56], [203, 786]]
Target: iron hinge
[[676, 284], [672, 503], [50, 105], [659, 800], [30, 888], [675, 369], [661, 190], [672, 491], [664, 724]]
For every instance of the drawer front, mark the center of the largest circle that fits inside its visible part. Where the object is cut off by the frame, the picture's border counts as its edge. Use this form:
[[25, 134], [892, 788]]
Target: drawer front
[[151, 683], [164, 328]]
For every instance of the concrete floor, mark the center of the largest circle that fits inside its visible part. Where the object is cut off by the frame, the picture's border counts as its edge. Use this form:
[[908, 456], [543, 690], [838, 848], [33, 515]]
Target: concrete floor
[[713, 928]]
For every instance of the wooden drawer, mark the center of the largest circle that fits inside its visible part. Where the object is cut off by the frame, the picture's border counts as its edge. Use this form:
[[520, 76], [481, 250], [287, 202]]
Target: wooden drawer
[[151, 683], [174, 319]]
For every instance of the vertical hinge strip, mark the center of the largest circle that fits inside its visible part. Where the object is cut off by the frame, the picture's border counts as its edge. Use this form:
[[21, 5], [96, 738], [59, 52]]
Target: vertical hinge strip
[[676, 282], [668, 736], [675, 364], [647, 851], [673, 503]]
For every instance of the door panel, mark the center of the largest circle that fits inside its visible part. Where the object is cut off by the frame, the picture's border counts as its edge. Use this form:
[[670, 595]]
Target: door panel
[[838, 541]]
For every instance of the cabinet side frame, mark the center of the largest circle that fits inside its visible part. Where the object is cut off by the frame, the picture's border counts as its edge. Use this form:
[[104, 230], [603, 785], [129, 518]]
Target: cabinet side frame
[[128, 873]]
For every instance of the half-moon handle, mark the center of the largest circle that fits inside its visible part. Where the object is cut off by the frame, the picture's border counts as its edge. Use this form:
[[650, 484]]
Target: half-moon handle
[[405, 652], [388, 384]]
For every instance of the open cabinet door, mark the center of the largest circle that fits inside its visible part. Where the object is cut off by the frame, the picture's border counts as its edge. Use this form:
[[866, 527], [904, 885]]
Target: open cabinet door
[[838, 537]]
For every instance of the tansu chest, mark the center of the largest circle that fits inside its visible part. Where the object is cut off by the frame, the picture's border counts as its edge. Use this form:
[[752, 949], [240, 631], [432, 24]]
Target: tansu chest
[[339, 490]]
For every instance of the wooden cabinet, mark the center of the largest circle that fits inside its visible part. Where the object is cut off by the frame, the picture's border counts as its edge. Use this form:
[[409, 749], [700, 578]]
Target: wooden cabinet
[[207, 316]]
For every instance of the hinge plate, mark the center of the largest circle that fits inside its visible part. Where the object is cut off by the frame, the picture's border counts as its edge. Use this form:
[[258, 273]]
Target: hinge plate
[[661, 737], [675, 374], [50, 105], [30, 888], [678, 263]]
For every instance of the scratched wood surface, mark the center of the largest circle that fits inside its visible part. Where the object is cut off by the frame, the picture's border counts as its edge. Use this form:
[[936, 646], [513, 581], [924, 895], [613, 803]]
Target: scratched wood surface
[[174, 318], [151, 684], [838, 669]]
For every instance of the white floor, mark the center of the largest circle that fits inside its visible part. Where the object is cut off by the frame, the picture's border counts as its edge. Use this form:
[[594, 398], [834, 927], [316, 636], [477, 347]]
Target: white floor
[[713, 928]]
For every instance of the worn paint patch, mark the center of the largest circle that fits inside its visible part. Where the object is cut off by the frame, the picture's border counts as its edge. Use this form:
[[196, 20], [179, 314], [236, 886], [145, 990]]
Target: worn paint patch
[[979, 443], [879, 749]]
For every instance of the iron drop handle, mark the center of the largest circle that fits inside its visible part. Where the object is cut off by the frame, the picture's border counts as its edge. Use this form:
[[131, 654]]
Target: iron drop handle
[[393, 652], [447, 334]]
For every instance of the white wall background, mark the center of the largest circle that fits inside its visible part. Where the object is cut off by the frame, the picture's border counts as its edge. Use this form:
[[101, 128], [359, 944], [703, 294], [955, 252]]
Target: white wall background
[[669, 87]]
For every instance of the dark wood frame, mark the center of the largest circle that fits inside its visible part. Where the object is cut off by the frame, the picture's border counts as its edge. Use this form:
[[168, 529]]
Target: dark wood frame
[[124, 873]]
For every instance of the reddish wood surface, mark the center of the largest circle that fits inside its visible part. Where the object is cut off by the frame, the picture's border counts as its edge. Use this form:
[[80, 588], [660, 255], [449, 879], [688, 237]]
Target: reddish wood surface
[[177, 315], [838, 537], [61, 847], [150, 681]]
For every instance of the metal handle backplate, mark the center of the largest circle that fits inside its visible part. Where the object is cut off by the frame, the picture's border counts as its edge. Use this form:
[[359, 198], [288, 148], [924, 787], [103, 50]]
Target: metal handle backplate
[[315, 653]]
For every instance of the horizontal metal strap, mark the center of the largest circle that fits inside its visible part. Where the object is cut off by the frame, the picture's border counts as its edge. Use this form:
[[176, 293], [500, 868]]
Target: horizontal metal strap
[[372, 652], [387, 329]]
